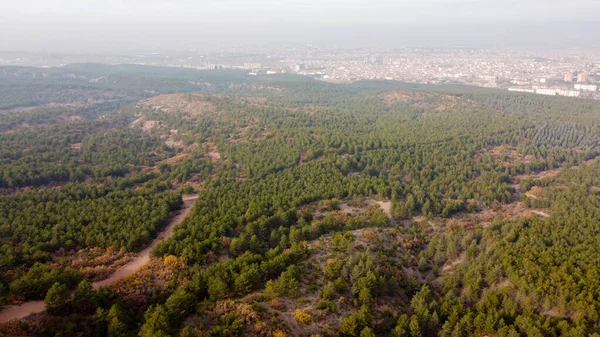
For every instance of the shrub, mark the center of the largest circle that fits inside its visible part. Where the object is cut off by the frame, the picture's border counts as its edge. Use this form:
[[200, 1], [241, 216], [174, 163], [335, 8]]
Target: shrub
[[302, 317], [279, 333]]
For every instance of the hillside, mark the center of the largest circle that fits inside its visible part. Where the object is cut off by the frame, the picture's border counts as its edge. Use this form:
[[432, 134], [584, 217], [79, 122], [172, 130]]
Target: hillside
[[365, 209]]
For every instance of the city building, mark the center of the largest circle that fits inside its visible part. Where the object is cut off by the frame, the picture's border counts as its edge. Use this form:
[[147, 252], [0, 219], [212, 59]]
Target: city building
[[548, 92], [568, 93], [586, 87], [521, 90], [300, 67], [582, 78], [569, 77], [252, 65], [520, 82]]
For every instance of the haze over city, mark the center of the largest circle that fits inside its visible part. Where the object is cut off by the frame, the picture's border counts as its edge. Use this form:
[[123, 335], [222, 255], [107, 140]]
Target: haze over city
[[70, 26]]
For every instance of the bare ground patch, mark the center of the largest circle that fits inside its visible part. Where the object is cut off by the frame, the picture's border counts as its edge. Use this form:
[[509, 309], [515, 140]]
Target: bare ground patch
[[507, 155], [386, 206], [170, 142], [450, 266], [436, 102], [136, 122], [149, 125], [535, 192], [193, 104], [392, 243], [177, 158], [358, 209], [486, 215], [213, 152]]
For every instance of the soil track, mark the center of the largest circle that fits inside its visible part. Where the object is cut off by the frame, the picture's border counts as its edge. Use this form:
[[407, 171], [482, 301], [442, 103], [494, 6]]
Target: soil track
[[28, 308]]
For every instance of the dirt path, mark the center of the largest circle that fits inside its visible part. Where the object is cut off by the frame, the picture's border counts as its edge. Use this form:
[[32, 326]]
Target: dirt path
[[541, 213], [551, 172], [144, 256], [20, 311]]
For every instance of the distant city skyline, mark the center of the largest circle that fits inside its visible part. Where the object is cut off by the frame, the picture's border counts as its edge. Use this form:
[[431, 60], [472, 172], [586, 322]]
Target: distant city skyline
[[136, 25]]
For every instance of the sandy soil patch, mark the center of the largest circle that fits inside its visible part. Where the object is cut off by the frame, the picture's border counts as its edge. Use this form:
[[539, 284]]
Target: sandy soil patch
[[535, 192], [213, 153], [193, 104], [175, 143], [136, 122], [451, 265], [149, 125], [507, 155], [386, 206]]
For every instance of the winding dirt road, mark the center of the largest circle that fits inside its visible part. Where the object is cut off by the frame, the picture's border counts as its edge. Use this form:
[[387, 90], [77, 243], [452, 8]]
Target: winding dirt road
[[28, 308]]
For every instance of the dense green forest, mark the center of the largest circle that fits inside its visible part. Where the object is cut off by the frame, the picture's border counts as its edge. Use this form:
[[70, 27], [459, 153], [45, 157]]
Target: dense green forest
[[364, 209]]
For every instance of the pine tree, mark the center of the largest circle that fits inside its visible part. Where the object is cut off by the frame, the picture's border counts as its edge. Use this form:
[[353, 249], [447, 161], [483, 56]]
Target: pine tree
[[83, 300], [56, 298], [156, 323]]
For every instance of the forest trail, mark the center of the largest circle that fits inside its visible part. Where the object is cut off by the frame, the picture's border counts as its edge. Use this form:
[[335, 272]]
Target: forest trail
[[515, 180], [551, 172], [144, 256], [28, 308]]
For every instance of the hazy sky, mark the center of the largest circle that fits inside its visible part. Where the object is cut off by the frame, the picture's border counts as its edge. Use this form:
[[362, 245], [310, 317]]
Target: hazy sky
[[114, 25]]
